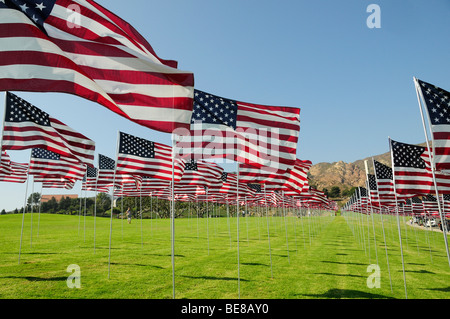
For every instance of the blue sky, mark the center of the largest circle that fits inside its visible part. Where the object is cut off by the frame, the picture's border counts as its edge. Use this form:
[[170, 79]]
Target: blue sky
[[354, 84]]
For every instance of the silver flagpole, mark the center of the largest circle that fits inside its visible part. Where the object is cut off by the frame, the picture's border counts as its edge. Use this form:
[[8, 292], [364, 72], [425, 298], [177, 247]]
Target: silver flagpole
[[285, 225], [39, 215], [382, 225], [172, 217], [237, 220], [207, 216], [268, 231], [23, 217], [444, 225], [95, 205], [112, 204], [31, 212], [140, 209], [398, 219], [228, 219], [371, 209]]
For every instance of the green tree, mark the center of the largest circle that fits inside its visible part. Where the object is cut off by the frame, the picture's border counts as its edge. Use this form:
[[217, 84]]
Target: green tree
[[34, 199], [335, 192]]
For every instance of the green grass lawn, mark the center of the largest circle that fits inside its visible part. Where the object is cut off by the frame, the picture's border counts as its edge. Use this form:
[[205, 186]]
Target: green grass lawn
[[323, 257]]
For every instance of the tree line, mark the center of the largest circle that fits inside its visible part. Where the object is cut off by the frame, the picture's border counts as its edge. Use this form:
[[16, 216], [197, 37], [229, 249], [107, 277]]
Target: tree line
[[149, 207]]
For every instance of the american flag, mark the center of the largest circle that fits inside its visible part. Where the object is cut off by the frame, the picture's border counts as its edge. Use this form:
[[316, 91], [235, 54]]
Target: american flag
[[202, 174], [253, 134], [106, 168], [293, 179], [385, 184], [437, 103], [18, 173], [81, 48], [147, 186], [44, 162], [55, 182], [138, 156], [229, 184], [106, 177], [90, 180], [373, 190], [5, 164], [417, 205], [446, 204], [430, 204], [412, 171], [298, 175], [27, 126]]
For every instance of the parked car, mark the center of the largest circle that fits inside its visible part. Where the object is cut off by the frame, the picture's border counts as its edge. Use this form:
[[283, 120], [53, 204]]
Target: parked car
[[430, 223]]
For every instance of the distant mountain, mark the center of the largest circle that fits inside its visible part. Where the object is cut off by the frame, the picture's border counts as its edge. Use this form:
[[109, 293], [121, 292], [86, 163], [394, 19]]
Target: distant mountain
[[345, 175]]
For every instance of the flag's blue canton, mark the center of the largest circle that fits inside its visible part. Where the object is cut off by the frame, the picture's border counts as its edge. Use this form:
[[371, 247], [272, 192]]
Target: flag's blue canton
[[45, 154], [438, 103], [372, 182], [406, 155], [137, 146], [383, 171], [429, 198], [104, 162], [19, 110], [211, 109], [36, 10], [255, 187], [363, 191], [91, 172], [224, 176], [191, 166]]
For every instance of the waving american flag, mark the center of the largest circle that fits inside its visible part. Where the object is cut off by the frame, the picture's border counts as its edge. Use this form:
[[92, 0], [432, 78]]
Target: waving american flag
[[81, 48]]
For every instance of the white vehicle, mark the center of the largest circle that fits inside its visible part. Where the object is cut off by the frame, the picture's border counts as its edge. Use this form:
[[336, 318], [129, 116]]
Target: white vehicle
[[430, 223]]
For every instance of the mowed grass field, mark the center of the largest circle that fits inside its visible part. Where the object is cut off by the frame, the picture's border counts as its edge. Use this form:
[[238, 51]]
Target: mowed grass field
[[323, 257]]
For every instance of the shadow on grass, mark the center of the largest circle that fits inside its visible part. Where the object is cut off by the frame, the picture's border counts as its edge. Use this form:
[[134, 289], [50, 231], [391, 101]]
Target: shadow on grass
[[254, 264], [30, 278], [447, 289], [140, 265], [343, 263], [214, 278], [347, 294], [340, 275], [420, 271]]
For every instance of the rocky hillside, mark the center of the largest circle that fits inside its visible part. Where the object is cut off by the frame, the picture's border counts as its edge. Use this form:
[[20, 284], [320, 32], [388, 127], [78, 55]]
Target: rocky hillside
[[344, 175]]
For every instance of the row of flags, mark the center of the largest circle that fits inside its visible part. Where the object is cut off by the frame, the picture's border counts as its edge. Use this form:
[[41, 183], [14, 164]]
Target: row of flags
[[419, 175], [81, 48]]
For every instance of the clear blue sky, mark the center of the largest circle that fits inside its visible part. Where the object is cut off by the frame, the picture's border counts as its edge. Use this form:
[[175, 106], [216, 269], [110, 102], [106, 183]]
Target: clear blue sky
[[354, 84]]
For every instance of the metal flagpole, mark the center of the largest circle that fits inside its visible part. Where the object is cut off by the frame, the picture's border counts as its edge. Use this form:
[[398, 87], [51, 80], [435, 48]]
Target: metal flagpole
[[228, 218], [95, 205], [39, 215], [268, 230], [398, 219], [79, 212], [285, 225], [31, 212], [84, 218], [444, 225], [23, 217], [384, 236], [112, 204], [140, 210], [371, 209], [237, 220], [172, 218], [207, 216]]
